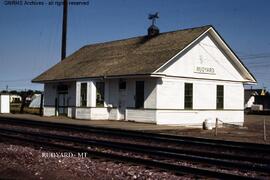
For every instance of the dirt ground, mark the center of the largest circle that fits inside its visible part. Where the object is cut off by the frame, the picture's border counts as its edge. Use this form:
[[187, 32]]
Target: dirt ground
[[252, 131]]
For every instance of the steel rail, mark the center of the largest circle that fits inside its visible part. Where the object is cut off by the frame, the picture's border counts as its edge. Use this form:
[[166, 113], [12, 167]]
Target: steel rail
[[149, 150], [181, 169], [228, 156], [241, 146]]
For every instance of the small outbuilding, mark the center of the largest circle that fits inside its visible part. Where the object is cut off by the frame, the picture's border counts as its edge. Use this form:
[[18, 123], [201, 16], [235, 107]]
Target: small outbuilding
[[36, 100], [250, 95], [4, 103], [177, 78], [257, 99]]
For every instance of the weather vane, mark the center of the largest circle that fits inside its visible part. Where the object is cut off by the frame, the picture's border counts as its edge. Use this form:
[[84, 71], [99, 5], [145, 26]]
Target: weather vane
[[153, 17]]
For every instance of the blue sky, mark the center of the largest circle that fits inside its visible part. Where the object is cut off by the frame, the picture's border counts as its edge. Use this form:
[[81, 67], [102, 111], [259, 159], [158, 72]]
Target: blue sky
[[30, 36]]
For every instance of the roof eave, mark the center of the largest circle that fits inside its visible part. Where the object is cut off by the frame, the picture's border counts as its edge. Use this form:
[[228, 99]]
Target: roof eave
[[99, 77], [251, 78]]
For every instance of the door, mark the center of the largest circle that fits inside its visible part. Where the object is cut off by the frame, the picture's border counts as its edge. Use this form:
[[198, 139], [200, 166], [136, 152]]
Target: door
[[122, 98], [139, 96], [62, 99], [62, 103]]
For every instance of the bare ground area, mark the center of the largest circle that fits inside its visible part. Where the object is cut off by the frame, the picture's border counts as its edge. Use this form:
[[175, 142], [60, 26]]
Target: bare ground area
[[21, 162], [18, 161], [252, 131]]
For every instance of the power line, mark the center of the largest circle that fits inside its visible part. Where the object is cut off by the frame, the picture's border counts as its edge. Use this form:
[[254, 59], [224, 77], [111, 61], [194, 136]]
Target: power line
[[255, 57], [265, 54], [15, 80], [246, 56], [264, 64]]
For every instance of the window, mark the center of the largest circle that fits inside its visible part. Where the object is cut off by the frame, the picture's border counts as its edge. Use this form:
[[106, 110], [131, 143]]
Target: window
[[83, 94], [220, 97], [188, 95], [100, 94], [62, 88], [122, 84]]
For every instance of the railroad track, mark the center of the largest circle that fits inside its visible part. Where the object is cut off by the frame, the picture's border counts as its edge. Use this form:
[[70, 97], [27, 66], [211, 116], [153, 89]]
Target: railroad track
[[81, 144], [240, 146]]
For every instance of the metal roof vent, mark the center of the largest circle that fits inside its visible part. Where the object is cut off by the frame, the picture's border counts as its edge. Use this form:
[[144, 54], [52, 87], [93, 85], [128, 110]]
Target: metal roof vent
[[153, 30]]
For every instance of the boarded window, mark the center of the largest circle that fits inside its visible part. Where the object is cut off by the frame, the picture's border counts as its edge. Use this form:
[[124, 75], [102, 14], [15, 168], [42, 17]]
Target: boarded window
[[220, 96], [83, 95], [188, 95], [100, 94]]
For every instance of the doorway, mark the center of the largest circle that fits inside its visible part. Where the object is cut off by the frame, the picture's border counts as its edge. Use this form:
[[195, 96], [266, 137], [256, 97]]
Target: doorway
[[139, 96], [63, 104], [62, 100]]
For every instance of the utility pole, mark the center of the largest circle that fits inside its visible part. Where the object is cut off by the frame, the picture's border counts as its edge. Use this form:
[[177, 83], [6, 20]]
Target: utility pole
[[64, 30]]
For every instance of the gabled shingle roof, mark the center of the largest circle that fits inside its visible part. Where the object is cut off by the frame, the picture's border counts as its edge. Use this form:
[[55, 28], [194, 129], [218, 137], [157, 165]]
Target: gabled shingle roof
[[139, 55]]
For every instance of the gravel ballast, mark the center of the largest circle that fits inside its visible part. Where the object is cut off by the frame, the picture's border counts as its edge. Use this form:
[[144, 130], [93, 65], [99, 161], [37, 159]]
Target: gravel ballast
[[21, 162]]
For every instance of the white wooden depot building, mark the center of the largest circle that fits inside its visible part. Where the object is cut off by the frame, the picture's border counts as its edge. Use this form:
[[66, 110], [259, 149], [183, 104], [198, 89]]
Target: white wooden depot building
[[177, 78]]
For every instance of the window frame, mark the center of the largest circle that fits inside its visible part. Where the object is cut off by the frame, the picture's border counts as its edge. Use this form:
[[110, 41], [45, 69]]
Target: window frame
[[83, 99], [122, 85], [220, 97], [188, 96], [102, 94]]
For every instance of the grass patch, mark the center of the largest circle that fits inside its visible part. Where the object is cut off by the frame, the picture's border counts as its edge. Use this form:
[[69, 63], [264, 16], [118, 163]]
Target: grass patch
[[16, 107]]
